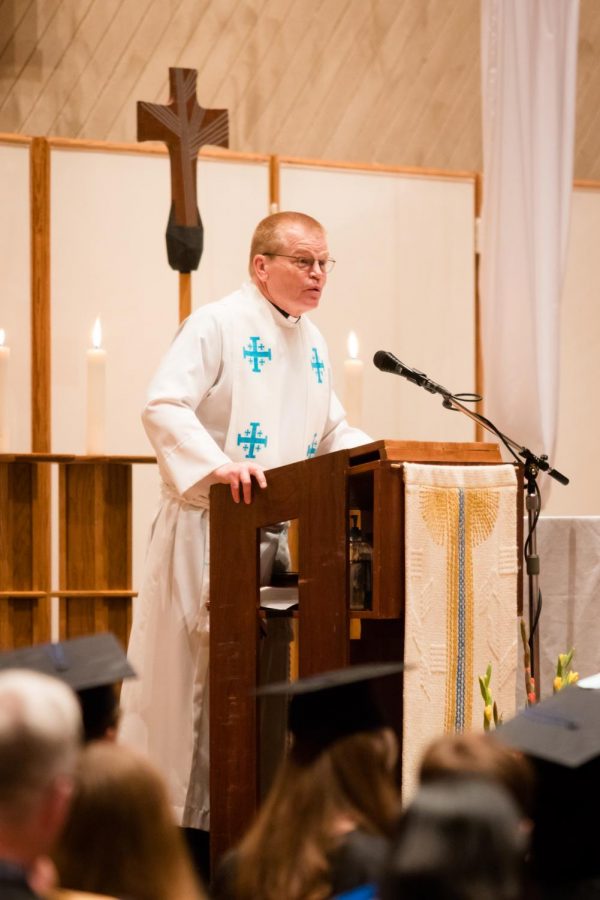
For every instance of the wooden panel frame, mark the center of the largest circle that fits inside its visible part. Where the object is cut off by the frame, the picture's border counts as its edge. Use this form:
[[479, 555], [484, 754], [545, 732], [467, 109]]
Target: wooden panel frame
[[479, 369], [41, 399], [8, 138], [95, 549], [444, 174], [25, 557], [95, 546]]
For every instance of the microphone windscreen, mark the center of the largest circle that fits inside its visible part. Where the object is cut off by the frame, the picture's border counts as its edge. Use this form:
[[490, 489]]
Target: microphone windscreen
[[385, 361]]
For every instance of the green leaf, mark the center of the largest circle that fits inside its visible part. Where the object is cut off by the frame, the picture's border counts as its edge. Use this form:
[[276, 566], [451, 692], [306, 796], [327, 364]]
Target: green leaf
[[484, 690]]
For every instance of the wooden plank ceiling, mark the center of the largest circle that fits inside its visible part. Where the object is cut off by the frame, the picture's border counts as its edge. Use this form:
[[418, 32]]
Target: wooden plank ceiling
[[387, 81]]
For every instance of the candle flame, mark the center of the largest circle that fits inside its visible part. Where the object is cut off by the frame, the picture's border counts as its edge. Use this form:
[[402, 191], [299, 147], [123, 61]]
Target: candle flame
[[97, 334], [352, 345], [2, 337]]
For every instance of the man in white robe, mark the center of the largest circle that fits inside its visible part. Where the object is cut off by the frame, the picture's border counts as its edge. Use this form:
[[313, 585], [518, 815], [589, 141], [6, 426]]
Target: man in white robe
[[245, 386]]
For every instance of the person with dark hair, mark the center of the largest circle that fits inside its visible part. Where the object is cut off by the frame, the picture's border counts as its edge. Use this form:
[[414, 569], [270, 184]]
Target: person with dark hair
[[459, 839], [92, 665], [120, 837], [478, 754], [561, 737], [325, 825], [565, 862]]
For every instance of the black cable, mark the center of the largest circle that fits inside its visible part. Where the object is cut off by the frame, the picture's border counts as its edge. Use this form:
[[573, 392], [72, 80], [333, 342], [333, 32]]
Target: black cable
[[538, 608], [534, 523]]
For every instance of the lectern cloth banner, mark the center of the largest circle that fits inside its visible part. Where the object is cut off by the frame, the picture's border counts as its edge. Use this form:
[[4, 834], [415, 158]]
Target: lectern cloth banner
[[461, 600]]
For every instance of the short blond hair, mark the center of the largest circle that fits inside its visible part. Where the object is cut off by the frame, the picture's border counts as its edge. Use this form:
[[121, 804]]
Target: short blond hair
[[267, 237]]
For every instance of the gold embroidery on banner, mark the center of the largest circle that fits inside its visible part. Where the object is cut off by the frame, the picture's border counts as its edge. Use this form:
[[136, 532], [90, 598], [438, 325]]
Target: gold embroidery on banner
[[441, 512]]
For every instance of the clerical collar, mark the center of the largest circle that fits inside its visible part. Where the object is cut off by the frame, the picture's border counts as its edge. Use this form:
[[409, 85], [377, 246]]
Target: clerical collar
[[284, 313]]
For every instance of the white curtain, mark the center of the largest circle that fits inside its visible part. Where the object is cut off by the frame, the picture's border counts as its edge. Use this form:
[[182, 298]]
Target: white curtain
[[529, 59]]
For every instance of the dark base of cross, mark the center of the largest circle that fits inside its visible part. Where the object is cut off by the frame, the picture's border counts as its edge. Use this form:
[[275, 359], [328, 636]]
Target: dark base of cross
[[184, 244]]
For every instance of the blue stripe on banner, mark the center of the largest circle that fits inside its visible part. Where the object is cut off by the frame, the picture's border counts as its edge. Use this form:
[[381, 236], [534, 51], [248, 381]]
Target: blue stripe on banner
[[459, 721]]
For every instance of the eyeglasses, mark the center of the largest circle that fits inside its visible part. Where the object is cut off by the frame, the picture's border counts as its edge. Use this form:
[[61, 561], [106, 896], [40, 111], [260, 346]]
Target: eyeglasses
[[306, 263]]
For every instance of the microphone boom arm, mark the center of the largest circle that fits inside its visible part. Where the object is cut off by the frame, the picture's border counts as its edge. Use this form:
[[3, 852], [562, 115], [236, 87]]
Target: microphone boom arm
[[387, 362]]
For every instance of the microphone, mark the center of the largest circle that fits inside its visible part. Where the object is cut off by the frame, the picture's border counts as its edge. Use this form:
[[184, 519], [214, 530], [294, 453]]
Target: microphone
[[387, 362]]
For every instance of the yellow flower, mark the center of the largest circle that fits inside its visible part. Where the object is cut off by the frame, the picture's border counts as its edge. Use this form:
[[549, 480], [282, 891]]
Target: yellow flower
[[488, 713], [557, 683], [572, 677]]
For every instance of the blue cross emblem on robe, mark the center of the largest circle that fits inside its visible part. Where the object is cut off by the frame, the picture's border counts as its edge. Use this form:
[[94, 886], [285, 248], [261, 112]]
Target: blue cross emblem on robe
[[312, 447], [318, 365], [252, 440], [256, 353]]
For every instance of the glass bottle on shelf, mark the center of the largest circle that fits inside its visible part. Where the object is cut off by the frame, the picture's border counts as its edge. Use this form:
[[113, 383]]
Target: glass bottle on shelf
[[361, 556]]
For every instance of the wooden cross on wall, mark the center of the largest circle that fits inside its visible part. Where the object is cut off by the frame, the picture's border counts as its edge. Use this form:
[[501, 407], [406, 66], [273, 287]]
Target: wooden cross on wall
[[185, 127]]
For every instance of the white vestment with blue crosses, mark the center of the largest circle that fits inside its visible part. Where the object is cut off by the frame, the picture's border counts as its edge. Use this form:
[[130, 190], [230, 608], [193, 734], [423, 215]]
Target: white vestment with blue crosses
[[240, 381]]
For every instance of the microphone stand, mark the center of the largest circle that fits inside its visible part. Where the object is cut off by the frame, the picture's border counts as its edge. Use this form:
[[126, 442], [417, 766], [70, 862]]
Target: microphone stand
[[531, 467]]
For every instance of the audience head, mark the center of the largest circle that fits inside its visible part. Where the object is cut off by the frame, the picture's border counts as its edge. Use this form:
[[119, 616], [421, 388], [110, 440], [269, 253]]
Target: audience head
[[120, 837], [91, 665], [310, 806], [460, 839], [561, 735], [339, 776], [459, 755], [40, 727], [99, 712]]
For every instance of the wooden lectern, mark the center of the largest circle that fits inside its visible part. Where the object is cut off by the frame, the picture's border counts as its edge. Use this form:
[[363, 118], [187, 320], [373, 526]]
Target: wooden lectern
[[318, 493]]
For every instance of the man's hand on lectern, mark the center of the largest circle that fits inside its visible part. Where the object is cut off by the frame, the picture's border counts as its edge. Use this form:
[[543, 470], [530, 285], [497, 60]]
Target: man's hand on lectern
[[242, 473]]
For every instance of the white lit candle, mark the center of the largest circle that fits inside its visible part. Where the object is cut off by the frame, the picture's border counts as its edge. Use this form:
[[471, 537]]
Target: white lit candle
[[353, 382], [4, 412], [96, 395]]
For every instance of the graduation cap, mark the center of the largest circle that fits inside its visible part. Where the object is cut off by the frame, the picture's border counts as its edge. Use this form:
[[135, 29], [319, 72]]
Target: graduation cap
[[90, 665], [564, 729], [326, 707]]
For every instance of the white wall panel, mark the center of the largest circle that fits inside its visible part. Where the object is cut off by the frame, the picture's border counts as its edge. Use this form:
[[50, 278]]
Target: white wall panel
[[15, 287], [403, 281], [108, 260], [109, 215], [578, 440], [233, 198]]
